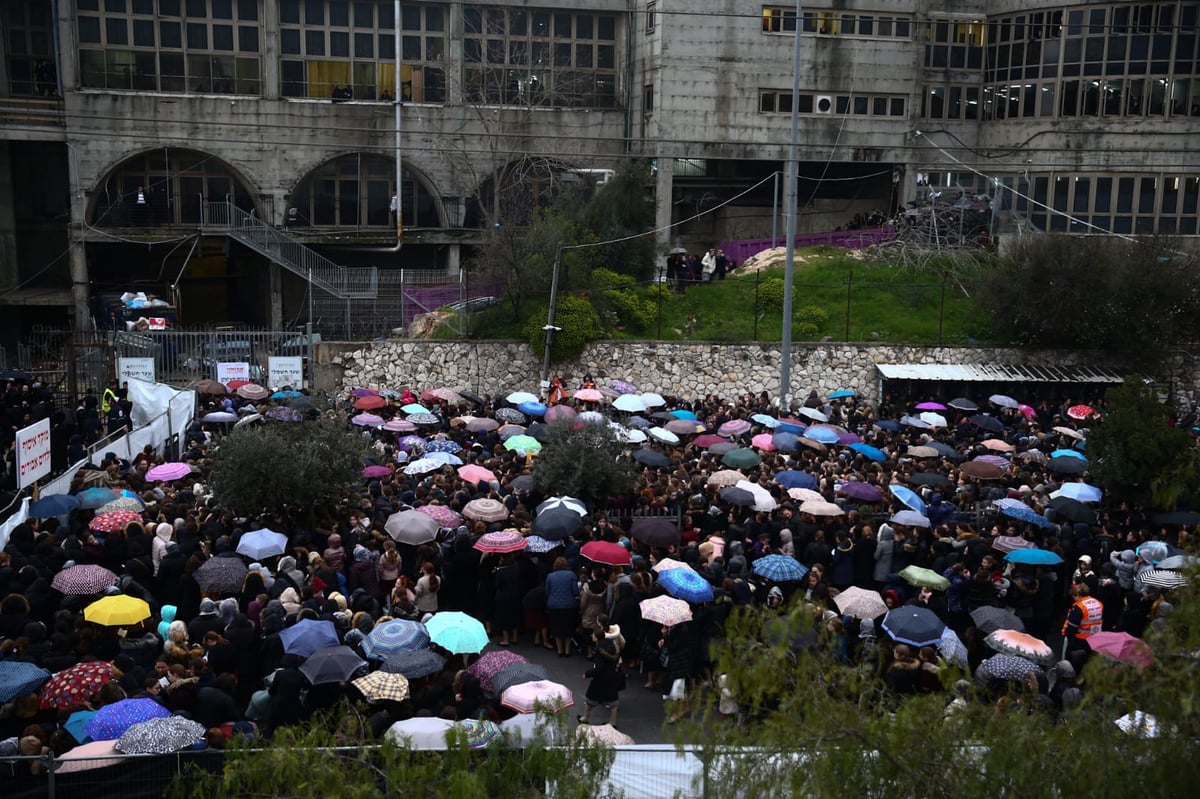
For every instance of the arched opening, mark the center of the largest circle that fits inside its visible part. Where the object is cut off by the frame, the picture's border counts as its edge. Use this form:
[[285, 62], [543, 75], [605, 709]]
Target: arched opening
[[355, 191], [165, 187], [511, 194]]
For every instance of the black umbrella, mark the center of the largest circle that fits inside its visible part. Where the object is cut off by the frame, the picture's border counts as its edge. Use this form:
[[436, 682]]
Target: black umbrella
[[663, 416], [989, 423], [522, 484], [989, 619], [652, 457], [414, 663], [516, 674], [1073, 510], [737, 496], [930, 479], [471, 396], [944, 449], [963, 404], [539, 431], [13, 374], [655, 532], [557, 523], [640, 423], [1066, 465], [510, 416], [221, 575]]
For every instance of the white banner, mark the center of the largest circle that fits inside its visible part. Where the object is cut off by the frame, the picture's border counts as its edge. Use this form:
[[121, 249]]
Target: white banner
[[285, 371], [233, 370], [135, 369], [33, 453], [10, 524]]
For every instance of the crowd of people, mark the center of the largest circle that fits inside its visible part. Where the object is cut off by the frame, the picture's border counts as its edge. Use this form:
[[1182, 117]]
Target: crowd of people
[[877, 496]]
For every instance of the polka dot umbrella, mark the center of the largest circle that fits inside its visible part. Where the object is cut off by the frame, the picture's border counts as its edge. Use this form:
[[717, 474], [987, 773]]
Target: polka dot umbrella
[[111, 721], [75, 685], [114, 520]]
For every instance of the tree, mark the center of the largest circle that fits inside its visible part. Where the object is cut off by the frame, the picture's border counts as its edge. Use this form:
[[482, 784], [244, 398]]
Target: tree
[[1137, 454], [1132, 299], [578, 322], [585, 461], [619, 211], [294, 464]]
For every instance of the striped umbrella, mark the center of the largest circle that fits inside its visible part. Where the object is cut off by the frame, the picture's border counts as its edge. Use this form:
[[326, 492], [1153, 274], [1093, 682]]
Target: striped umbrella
[[75, 685], [500, 541], [734, 427], [392, 637], [485, 509]]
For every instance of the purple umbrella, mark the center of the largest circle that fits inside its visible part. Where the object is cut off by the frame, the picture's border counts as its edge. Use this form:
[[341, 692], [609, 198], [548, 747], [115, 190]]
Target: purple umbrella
[[994, 460], [111, 721], [367, 420], [168, 472], [491, 664], [846, 439], [621, 387], [372, 472], [930, 406], [409, 443], [863, 492]]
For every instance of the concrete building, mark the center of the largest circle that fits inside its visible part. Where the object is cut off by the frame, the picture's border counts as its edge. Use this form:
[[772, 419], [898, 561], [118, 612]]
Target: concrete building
[[126, 126]]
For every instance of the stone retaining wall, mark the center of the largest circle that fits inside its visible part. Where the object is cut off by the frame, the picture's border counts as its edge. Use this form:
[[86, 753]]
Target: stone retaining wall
[[688, 368]]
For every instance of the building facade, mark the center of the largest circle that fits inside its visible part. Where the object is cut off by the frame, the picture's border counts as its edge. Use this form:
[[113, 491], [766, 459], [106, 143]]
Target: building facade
[[122, 122]]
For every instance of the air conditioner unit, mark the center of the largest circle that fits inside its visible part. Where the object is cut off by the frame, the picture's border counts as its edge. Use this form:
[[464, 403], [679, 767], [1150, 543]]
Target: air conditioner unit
[[824, 104]]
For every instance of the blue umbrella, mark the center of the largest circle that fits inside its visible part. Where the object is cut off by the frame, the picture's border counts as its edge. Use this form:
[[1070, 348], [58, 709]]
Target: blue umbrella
[[76, 723], [111, 721], [1026, 514], [457, 632], [1153, 551], [539, 546], [871, 452], [769, 422], [908, 497], [392, 637], [914, 625], [686, 584], [443, 445], [823, 434], [413, 408], [785, 442], [92, 498], [532, 408], [779, 568], [53, 505], [841, 393], [307, 636], [795, 479], [691, 417], [1033, 557], [889, 425], [288, 394], [789, 427], [18, 678], [1068, 453]]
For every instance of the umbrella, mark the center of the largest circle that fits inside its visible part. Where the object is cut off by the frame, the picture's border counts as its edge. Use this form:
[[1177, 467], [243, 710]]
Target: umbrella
[[813, 414], [412, 442], [779, 568], [1139, 724], [413, 408], [630, 403], [307, 636], [989, 423], [334, 664], [18, 678], [500, 541], [539, 546], [516, 673], [570, 503], [822, 435], [860, 603], [286, 415], [523, 444], [1122, 647], [685, 427], [414, 663], [262, 544], [930, 406], [863, 492], [930, 479], [114, 520], [915, 421], [665, 610], [482, 425], [687, 585], [996, 445], [819, 507], [655, 532], [91, 755], [367, 420], [666, 564], [532, 408], [522, 484], [1081, 412], [253, 392], [375, 472], [492, 663], [708, 440], [725, 477], [1063, 465], [1177, 562], [795, 479], [841, 393], [76, 684], [913, 625], [736, 496], [1034, 557], [92, 498], [743, 458], [111, 721], [722, 448], [83, 580], [1005, 667], [962, 404], [424, 419], [428, 733], [221, 575], [603, 734], [211, 388], [1003, 401], [785, 442], [1068, 453], [53, 505], [653, 400], [1020, 644], [1073, 510], [1081, 492], [734, 427], [476, 474], [981, 470], [443, 445], [444, 516], [606, 552], [559, 413], [1026, 514], [952, 649], [485, 510], [922, 452], [927, 578], [910, 518], [382, 686], [118, 610], [652, 457], [510, 416], [769, 422], [393, 637], [623, 387], [76, 723], [160, 735], [908, 497], [1010, 543], [557, 523], [762, 497], [933, 419], [890, 425], [517, 397], [529, 697], [588, 395], [874, 453], [457, 633], [1163, 578], [411, 527], [423, 466], [989, 619]]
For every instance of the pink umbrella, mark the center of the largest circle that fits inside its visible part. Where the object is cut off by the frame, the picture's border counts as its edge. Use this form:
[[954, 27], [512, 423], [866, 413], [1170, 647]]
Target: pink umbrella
[[606, 552], [492, 663], [557, 413], [526, 697], [114, 520], [1081, 412], [1123, 648], [372, 472], [486, 509], [399, 426], [1027, 411], [930, 406], [589, 395], [475, 474], [996, 445], [734, 427], [441, 514], [1019, 644], [169, 471], [89, 756], [994, 460], [763, 441], [500, 541], [367, 420]]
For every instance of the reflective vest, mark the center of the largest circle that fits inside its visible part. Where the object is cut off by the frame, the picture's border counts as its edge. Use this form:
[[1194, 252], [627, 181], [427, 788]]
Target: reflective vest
[[107, 399], [1093, 612]]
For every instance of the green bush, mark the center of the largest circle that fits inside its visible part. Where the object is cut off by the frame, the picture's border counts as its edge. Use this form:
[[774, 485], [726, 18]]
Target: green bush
[[604, 279], [631, 310], [770, 294], [579, 322]]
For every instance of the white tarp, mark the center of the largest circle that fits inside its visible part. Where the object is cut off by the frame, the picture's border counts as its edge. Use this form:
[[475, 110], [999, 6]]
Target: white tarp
[[159, 412], [11, 522]]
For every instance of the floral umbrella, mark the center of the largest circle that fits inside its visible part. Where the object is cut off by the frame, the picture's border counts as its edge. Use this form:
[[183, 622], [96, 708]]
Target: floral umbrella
[[445, 517], [124, 503], [160, 736], [75, 685], [114, 521], [500, 541], [492, 663]]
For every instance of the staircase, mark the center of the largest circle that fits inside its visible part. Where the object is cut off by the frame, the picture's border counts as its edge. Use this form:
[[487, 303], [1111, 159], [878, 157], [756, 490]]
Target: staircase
[[340, 282]]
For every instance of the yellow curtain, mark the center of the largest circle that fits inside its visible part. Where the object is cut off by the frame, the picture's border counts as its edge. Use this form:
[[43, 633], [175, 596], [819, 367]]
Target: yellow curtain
[[387, 79], [324, 75]]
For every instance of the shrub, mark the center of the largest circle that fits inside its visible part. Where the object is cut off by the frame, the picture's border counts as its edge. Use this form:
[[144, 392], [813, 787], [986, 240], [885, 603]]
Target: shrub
[[631, 310], [579, 322], [603, 279]]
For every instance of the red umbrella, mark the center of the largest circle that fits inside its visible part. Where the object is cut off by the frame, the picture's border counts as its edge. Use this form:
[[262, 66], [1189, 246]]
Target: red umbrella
[[114, 520], [75, 685], [606, 552], [1081, 412], [370, 402], [707, 440]]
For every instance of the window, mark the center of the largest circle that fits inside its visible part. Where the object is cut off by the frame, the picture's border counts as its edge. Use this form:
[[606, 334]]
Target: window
[[648, 99], [782, 19], [955, 44], [200, 47], [356, 191], [779, 101], [571, 63], [348, 51], [651, 16], [777, 19], [32, 69]]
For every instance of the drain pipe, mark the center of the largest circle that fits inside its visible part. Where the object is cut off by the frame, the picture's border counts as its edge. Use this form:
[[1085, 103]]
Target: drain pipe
[[398, 106]]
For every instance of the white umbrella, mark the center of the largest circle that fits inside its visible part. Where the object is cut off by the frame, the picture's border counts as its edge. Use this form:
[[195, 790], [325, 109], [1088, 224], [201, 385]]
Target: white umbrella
[[821, 508], [813, 414], [423, 466], [634, 437], [663, 435], [592, 417], [652, 400], [259, 544], [805, 495], [517, 397], [411, 527], [630, 403], [933, 419], [762, 497]]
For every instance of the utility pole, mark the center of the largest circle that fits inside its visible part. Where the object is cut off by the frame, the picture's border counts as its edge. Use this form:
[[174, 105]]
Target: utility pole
[[789, 264]]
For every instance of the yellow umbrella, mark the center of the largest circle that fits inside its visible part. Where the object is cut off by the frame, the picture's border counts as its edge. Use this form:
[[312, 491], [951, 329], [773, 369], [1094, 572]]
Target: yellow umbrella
[[117, 610]]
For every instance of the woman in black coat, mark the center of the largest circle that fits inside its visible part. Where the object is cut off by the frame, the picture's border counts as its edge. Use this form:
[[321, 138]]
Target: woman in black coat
[[607, 682]]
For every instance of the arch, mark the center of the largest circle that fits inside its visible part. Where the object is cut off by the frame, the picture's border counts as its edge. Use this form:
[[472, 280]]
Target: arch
[[354, 190], [175, 181], [511, 193]]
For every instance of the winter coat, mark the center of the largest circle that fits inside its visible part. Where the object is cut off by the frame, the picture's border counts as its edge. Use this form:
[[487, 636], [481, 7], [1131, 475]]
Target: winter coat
[[562, 590], [884, 548]]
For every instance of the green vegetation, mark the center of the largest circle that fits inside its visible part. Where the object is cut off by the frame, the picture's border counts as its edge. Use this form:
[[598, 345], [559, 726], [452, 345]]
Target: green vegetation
[[579, 325], [583, 461]]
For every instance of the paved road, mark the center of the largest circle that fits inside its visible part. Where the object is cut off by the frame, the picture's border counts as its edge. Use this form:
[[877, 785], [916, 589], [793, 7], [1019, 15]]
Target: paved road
[[641, 711]]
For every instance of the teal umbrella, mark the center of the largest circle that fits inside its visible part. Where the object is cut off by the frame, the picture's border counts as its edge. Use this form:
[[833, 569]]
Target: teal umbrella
[[741, 458]]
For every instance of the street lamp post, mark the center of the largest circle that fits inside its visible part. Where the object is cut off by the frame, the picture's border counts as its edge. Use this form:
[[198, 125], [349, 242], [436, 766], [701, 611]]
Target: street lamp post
[[549, 327], [789, 264]]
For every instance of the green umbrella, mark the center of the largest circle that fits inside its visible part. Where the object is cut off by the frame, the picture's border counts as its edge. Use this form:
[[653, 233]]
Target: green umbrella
[[741, 458], [526, 444], [926, 578]]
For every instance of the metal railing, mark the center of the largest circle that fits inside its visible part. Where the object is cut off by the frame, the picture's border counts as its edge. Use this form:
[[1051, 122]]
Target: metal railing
[[342, 282]]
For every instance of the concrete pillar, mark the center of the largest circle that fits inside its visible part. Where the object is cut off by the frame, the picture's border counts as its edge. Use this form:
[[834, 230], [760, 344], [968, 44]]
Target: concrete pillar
[[80, 282], [9, 268], [275, 293], [270, 50], [663, 208], [453, 259]]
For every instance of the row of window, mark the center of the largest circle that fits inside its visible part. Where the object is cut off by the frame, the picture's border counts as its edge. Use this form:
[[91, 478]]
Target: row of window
[[201, 73], [773, 101], [1125, 204], [244, 10], [29, 44], [1070, 98], [782, 19]]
